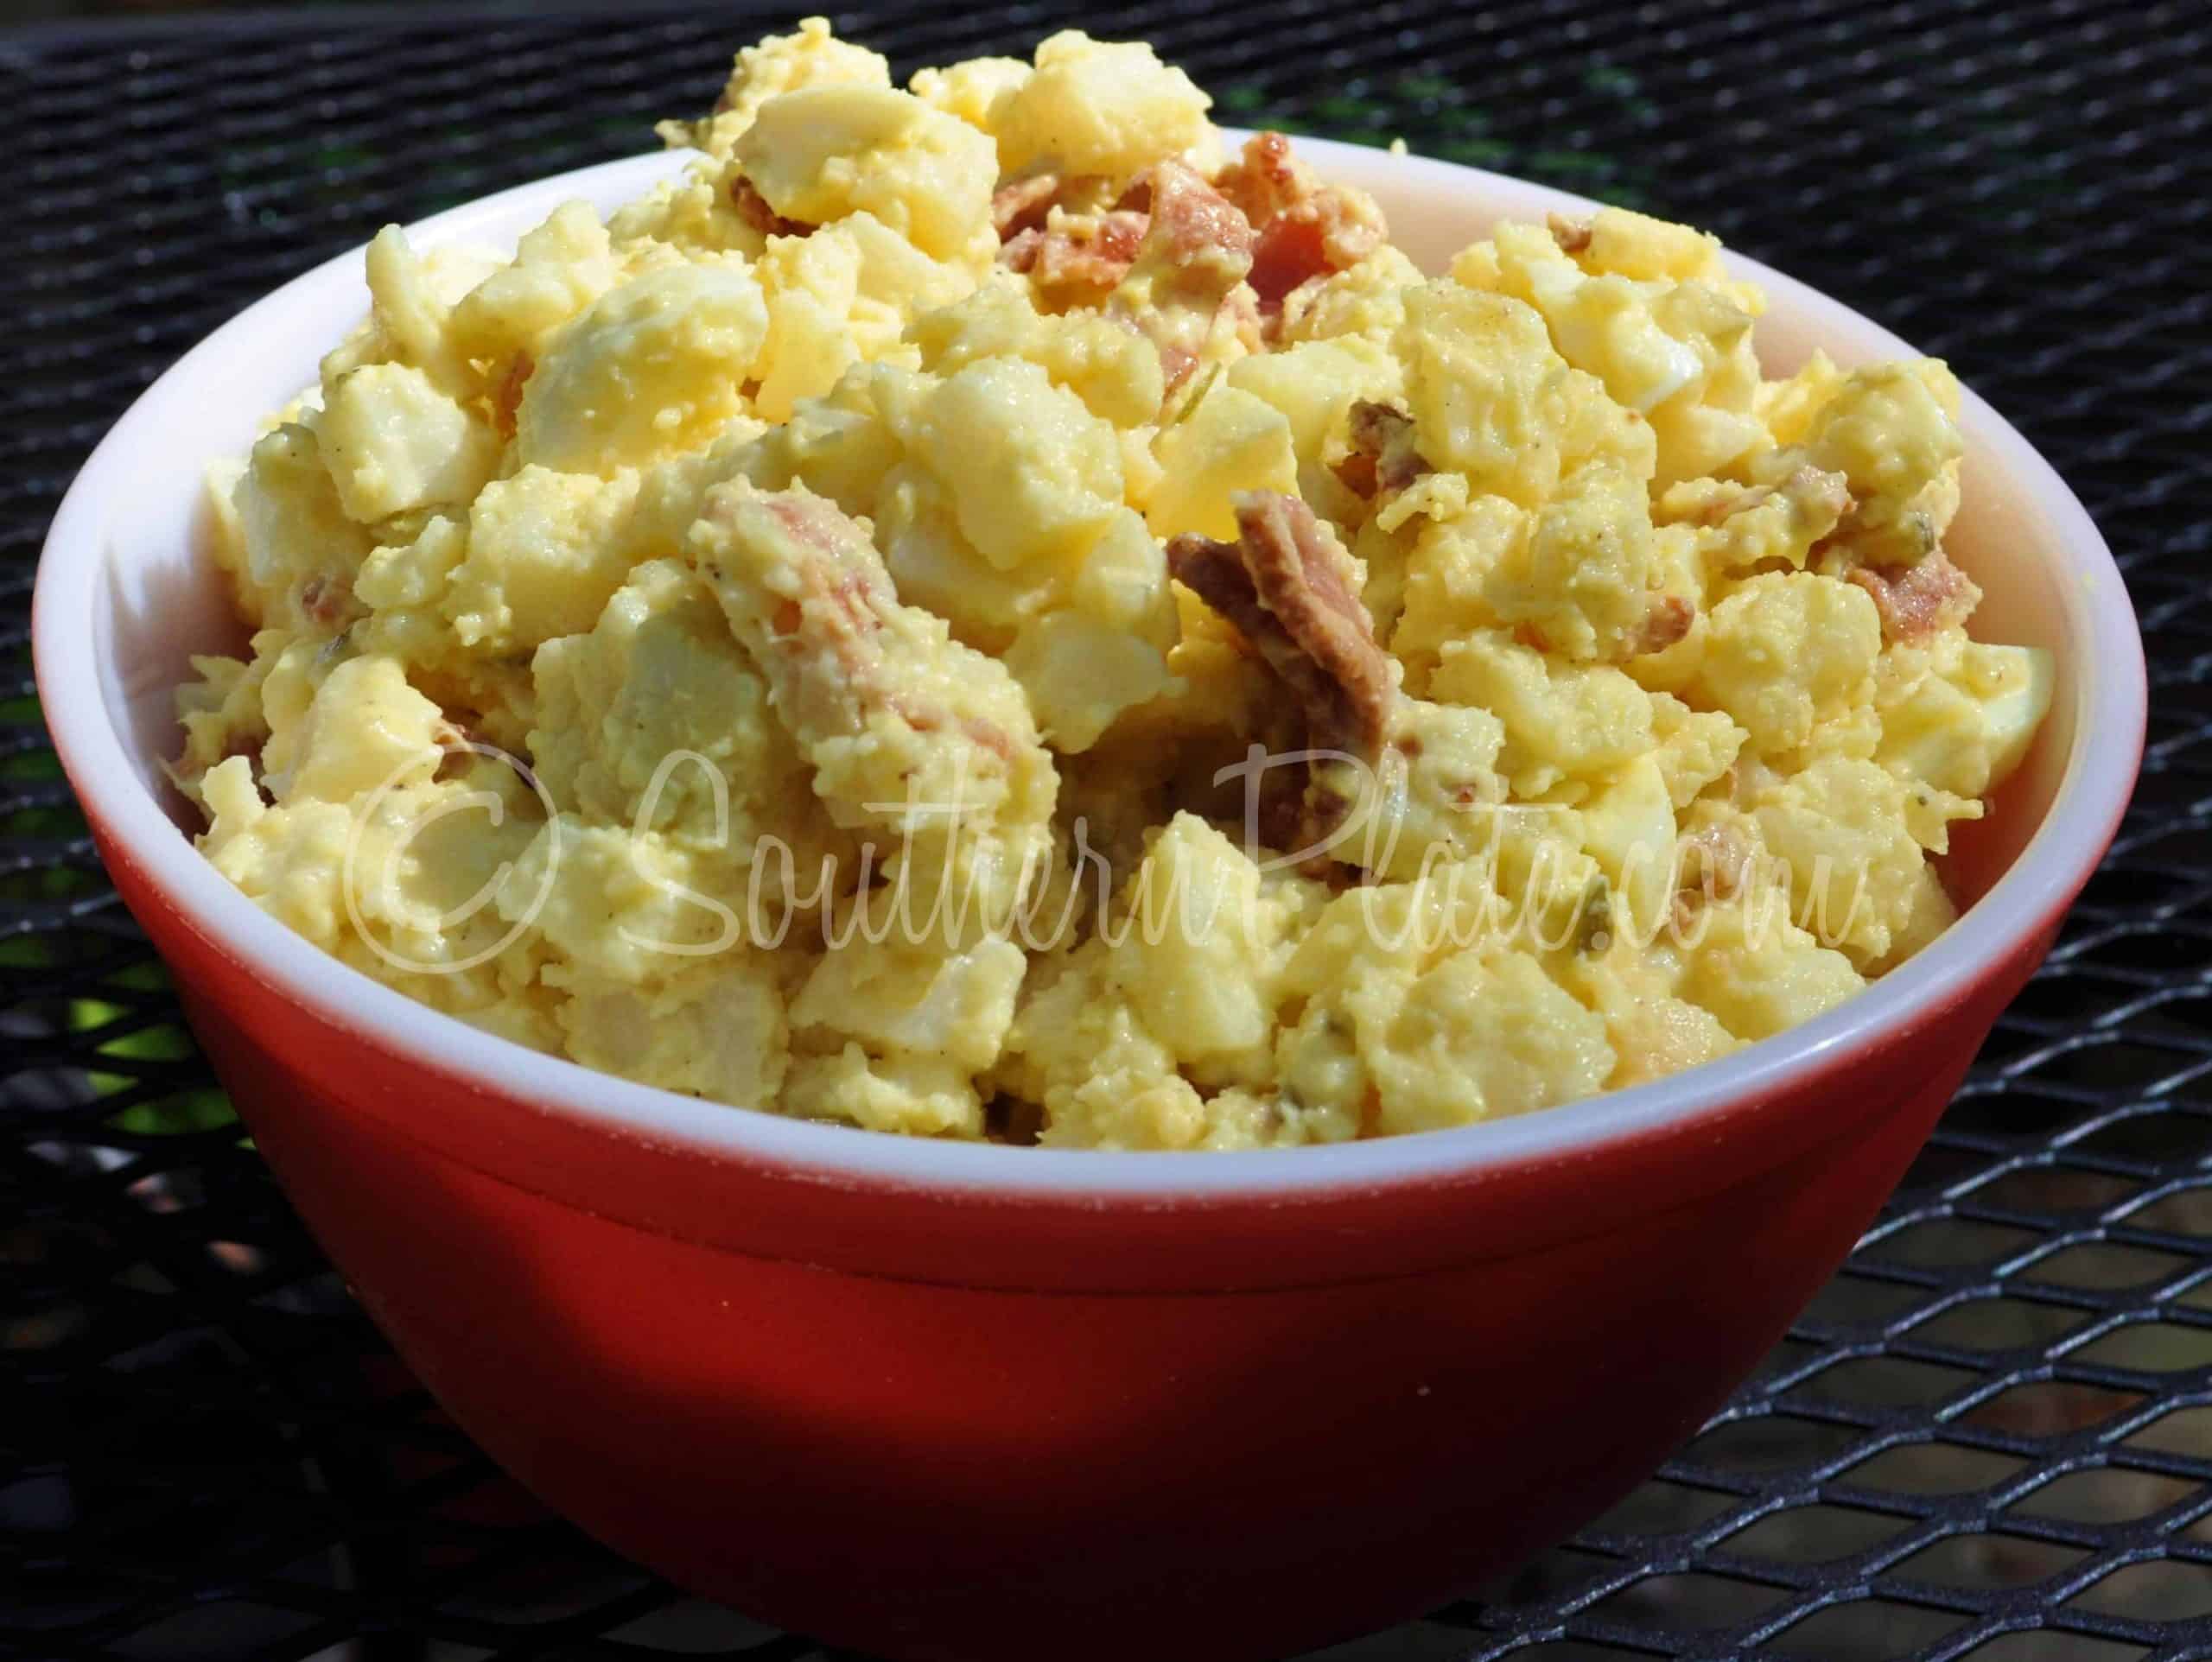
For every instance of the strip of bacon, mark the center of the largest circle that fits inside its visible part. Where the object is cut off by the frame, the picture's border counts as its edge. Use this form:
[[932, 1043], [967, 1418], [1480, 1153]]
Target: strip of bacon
[[808, 596], [1196, 251], [1290, 589]]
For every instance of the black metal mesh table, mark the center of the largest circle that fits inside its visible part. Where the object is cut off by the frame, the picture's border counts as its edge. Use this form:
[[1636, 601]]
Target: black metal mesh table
[[1992, 1435]]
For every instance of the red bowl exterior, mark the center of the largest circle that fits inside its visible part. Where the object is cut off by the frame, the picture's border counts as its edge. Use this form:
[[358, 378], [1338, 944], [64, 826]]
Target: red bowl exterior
[[935, 1424]]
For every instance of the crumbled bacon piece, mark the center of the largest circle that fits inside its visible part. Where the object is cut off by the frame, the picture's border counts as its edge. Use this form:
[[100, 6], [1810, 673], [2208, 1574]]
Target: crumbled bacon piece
[[838, 608], [1382, 459], [1291, 253], [1377, 430], [1022, 204], [1082, 252], [1573, 235], [753, 207], [1667, 622], [1263, 181], [1919, 600], [327, 599], [1085, 252], [1356, 473], [1305, 229], [1290, 589], [507, 398], [1192, 227]]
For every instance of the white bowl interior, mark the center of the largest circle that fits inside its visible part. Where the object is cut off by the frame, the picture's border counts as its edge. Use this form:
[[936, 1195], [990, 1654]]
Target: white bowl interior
[[128, 592]]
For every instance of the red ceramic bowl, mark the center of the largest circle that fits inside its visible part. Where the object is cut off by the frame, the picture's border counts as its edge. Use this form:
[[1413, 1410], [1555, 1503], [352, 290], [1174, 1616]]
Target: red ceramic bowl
[[977, 1402]]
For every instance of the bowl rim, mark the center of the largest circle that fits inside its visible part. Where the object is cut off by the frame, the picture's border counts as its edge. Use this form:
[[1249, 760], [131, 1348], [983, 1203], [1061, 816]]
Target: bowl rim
[[2083, 815]]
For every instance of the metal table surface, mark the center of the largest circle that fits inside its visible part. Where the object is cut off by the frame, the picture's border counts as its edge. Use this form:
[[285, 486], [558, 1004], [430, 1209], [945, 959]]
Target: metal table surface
[[1990, 1436]]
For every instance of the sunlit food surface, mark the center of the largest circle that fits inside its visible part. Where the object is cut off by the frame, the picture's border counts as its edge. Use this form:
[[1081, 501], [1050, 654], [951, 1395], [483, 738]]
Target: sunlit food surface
[[980, 612]]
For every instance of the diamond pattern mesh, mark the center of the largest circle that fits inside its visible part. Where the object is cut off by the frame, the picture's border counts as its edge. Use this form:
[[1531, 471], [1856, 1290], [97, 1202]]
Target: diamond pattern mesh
[[1990, 1436]]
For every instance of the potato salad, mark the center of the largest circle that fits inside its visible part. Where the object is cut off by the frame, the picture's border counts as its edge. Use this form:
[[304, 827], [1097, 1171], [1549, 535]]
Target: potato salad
[[986, 609]]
